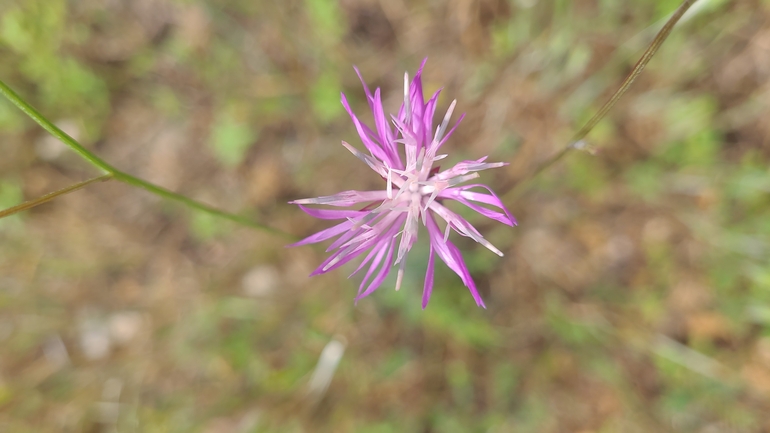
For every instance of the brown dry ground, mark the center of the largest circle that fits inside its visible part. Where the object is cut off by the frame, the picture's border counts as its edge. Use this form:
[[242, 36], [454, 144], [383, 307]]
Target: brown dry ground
[[634, 296]]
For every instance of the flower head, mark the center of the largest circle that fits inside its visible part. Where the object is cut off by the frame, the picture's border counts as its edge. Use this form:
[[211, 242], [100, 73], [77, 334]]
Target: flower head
[[386, 223]]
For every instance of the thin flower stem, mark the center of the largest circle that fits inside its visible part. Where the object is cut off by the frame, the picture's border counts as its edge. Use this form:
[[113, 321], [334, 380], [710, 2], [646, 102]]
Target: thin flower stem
[[50, 196], [170, 195], [514, 189], [53, 129], [120, 175]]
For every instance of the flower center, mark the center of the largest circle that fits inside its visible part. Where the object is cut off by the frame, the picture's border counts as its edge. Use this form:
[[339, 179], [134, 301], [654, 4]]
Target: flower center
[[411, 196]]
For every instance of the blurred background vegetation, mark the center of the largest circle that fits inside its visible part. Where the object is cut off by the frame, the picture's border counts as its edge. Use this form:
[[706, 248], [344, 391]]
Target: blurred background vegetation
[[634, 295]]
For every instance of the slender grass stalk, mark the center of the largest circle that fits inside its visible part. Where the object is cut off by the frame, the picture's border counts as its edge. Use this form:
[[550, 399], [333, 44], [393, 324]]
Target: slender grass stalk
[[514, 188], [116, 174], [53, 129], [50, 196], [170, 195]]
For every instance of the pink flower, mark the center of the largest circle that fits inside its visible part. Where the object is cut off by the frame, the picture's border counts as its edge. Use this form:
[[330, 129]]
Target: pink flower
[[414, 194]]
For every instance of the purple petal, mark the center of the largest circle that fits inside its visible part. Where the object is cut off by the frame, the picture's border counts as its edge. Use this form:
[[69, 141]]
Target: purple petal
[[324, 234], [366, 88], [385, 230], [415, 92], [462, 195], [468, 279], [428, 286], [415, 85], [469, 166], [422, 66], [332, 214], [462, 227], [450, 255], [345, 198], [366, 260], [489, 213], [457, 222], [430, 110], [383, 129], [381, 249], [342, 254], [449, 133], [348, 235], [406, 132], [354, 250], [417, 103], [491, 199], [384, 271], [375, 106], [366, 134], [379, 226], [440, 247], [345, 255]]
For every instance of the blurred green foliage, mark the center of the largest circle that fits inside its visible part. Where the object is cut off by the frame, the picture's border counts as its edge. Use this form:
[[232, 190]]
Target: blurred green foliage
[[35, 32], [10, 195], [231, 139]]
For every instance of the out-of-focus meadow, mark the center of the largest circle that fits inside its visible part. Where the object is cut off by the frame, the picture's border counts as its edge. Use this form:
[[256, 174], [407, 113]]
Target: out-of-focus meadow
[[634, 295]]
